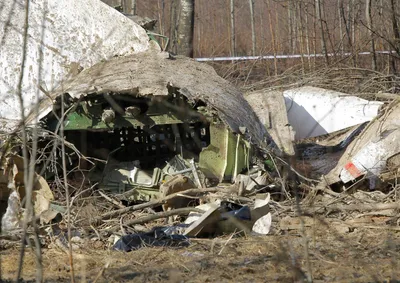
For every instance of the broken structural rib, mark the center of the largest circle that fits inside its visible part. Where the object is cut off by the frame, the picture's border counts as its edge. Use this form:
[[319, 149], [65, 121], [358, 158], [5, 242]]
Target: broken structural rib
[[152, 74]]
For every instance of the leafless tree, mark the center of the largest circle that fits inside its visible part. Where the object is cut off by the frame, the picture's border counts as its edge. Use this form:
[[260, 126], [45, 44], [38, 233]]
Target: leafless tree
[[321, 27], [233, 35], [368, 16], [129, 6], [182, 27], [395, 25], [253, 28], [271, 29], [396, 33]]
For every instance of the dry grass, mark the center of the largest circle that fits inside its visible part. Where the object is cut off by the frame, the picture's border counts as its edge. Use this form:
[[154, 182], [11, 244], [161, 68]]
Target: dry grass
[[336, 256], [256, 75]]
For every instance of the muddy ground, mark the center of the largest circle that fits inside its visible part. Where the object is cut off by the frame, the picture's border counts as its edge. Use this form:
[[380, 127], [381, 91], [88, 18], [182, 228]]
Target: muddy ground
[[337, 253]]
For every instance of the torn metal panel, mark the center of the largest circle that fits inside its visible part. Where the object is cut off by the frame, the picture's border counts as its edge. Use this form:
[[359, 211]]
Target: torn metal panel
[[226, 156], [128, 173], [134, 184], [12, 216], [319, 156], [14, 178], [369, 152], [263, 215], [153, 75], [371, 159], [315, 111], [178, 166], [223, 217], [41, 193], [96, 113], [206, 223], [64, 36], [270, 108], [123, 177]]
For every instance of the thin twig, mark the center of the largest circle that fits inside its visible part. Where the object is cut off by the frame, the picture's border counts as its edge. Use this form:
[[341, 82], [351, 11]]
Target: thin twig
[[102, 271], [304, 236], [113, 201], [121, 224], [154, 202], [28, 170], [64, 165], [230, 238], [159, 215]]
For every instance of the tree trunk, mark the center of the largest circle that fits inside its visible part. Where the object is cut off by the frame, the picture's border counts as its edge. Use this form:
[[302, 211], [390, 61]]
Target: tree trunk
[[353, 23], [173, 20], [272, 36], [314, 34], [307, 38], [134, 7], [290, 25], [253, 31], [182, 24], [301, 26], [162, 16], [295, 26], [186, 28], [127, 6], [350, 28], [396, 34], [345, 22], [328, 37], [199, 32], [396, 27], [233, 38], [278, 39], [368, 16], [339, 4], [347, 25], [321, 27]]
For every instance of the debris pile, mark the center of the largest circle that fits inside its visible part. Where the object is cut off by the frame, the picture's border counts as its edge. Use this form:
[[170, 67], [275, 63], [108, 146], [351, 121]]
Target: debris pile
[[158, 142]]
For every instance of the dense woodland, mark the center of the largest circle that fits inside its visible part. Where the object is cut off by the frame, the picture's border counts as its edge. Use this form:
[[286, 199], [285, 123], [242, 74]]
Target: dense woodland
[[337, 29]]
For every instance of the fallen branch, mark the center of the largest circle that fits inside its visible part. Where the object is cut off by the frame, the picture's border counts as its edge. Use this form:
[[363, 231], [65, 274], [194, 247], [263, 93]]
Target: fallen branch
[[386, 227], [320, 187], [154, 203], [152, 217], [365, 207], [356, 207], [113, 201]]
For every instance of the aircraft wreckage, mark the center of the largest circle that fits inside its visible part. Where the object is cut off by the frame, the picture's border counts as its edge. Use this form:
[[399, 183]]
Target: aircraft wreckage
[[142, 124], [137, 121], [145, 124]]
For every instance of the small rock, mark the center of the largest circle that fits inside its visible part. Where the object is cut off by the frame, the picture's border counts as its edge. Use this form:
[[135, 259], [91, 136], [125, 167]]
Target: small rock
[[77, 240]]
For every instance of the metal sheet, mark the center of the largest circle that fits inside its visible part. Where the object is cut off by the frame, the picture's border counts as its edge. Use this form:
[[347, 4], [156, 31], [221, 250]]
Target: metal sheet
[[315, 111], [64, 36]]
